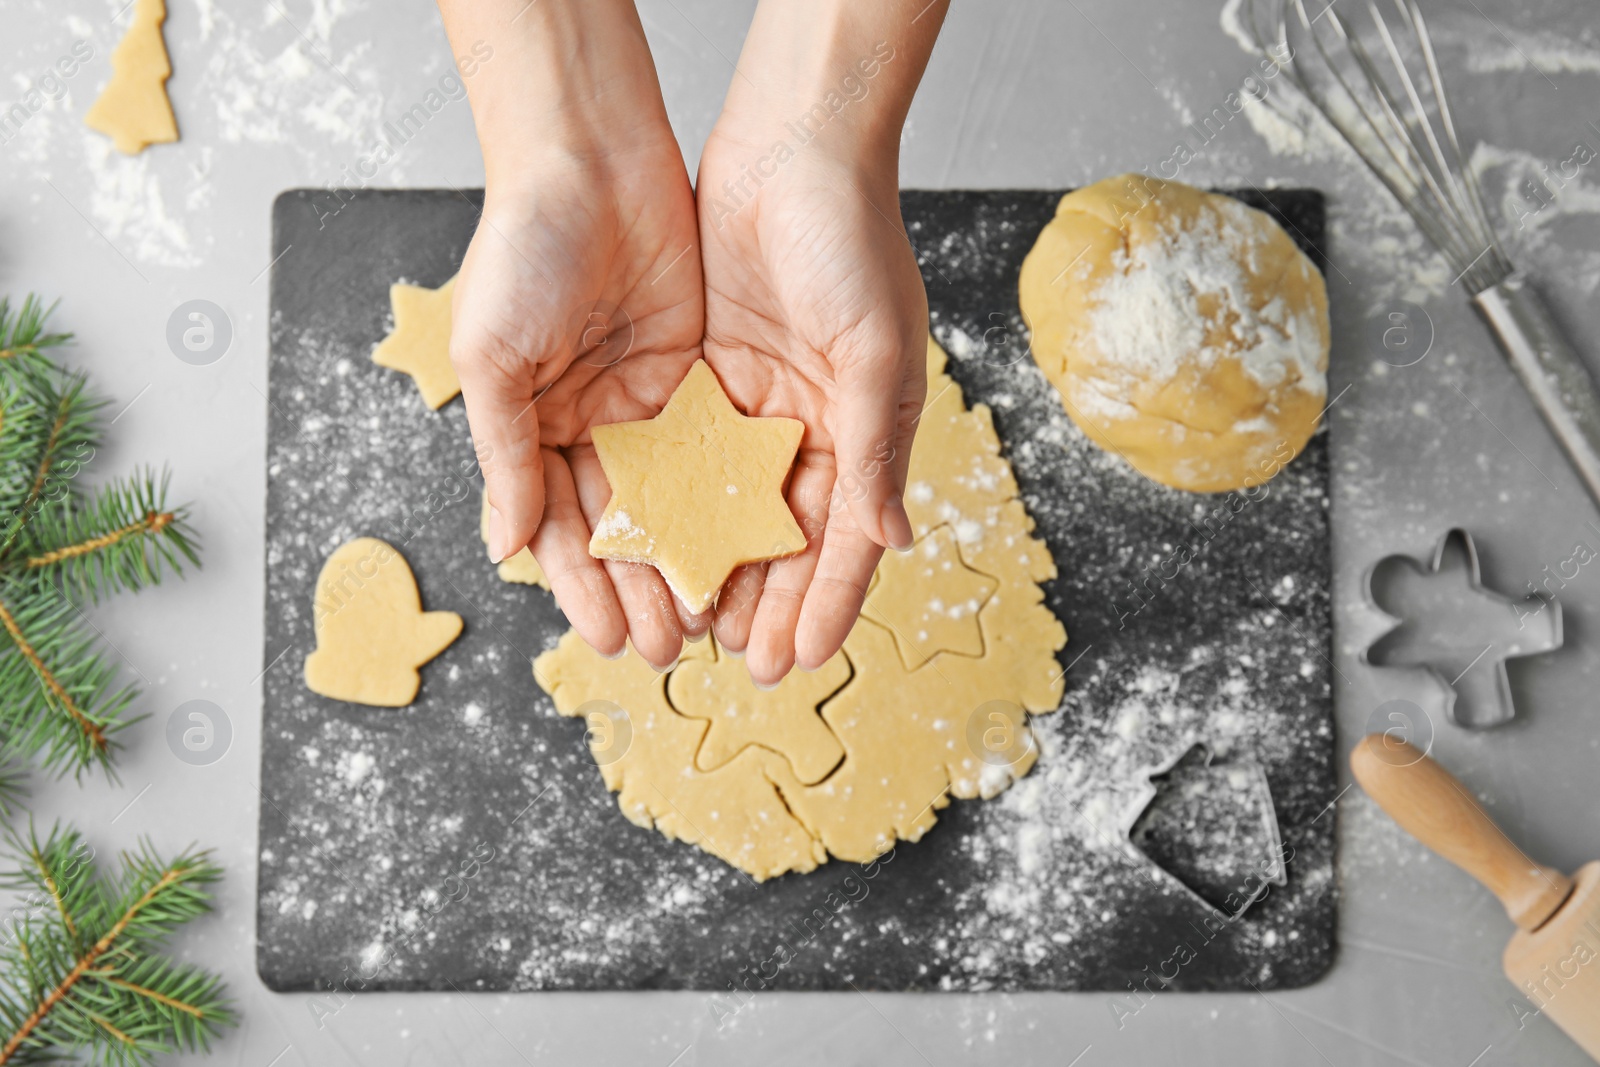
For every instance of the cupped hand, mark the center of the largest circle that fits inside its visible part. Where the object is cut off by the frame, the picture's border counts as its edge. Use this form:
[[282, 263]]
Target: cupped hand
[[815, 310], [580, 302]]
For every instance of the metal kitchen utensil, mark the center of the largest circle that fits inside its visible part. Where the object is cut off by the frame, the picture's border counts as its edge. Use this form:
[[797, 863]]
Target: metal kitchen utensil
[[1464, 649], [1399, 124], [1211, 827]]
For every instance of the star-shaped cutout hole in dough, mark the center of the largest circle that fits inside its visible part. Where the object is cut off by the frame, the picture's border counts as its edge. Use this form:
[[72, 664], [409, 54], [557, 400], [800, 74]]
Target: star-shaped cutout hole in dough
[[714, 685], [697, 490], [419, 344], [902, 598], [372, 633]]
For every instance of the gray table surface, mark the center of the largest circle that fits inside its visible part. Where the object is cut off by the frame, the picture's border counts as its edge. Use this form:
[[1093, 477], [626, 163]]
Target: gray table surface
[[1030, 93]]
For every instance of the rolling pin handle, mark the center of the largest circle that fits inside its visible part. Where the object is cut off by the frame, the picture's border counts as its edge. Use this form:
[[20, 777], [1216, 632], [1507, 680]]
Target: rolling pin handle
[[1428, 802]]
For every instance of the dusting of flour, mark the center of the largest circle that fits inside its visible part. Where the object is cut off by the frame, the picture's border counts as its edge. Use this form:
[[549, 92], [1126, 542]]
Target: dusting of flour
[[1150, 318]]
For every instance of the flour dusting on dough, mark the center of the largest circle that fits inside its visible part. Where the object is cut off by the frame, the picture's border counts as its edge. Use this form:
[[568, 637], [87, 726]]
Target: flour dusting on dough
[[1150, 316]]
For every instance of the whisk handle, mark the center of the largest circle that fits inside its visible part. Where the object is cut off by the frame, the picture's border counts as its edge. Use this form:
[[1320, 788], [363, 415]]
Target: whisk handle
[[1549, 368]]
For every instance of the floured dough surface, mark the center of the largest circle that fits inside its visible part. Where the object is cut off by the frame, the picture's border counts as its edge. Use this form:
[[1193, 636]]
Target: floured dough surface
[[419, 344], [697, 490], [924, 626], [646, 752], [749, 776], [133, 109], [1184, 330], [519, 567], [372, 633], [717, 687]]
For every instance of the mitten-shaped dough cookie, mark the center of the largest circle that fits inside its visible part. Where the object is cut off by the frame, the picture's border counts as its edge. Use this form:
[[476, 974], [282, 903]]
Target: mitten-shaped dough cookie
[[372, 633]]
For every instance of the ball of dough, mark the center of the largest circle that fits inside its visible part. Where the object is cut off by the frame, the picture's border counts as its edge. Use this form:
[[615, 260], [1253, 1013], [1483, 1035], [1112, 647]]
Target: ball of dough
[[1184, 330]]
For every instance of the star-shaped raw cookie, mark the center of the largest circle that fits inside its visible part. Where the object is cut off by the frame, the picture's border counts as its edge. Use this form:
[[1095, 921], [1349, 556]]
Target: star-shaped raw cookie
[[929, 599], [372, 633], [784, 720], [697, 490], [419, 344]]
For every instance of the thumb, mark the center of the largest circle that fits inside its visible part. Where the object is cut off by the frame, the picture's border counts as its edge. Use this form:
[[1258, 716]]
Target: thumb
[[505, 435], [878, 406]]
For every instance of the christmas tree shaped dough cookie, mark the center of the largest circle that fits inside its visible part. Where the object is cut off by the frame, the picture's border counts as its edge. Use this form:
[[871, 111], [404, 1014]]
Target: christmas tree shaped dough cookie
[[372, 633], [521, 567], [133, 109], [697, 490], [419, 344]]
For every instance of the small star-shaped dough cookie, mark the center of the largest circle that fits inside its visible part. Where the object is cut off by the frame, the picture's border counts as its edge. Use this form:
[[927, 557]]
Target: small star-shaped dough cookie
[[929, 599], [419, 344], [697, 490], [784, 720], [372, 633]]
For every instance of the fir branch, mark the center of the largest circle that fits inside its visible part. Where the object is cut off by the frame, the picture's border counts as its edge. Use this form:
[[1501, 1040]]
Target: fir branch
[[123, 539], [60, 433], [60, 697], [22, 336], [105, 989], [62, 694], [52, 874]]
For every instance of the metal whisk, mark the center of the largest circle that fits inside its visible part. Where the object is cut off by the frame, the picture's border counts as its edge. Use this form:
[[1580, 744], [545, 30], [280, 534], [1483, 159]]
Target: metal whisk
[[1398, 121]]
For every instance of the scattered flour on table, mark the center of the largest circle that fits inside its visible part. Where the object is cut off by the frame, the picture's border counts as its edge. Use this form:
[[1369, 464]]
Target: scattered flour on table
[[1535, 205], [263, 77], [1506, 49], [1059, 870], [276, 81]]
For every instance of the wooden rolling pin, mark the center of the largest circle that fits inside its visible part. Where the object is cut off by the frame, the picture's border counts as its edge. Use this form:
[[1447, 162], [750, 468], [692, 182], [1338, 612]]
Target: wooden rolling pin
[[1554, 957]]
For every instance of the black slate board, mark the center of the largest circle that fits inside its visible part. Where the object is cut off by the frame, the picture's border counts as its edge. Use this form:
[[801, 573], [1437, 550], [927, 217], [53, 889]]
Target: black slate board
[[467, 841]]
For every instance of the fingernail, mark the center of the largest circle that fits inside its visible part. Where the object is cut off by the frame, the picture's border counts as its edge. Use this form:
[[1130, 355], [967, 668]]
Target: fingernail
[[497, 536], [736, 653], [695, 639], [618, 654], [669, 667], [896, 524], [764, 687], [802, 667]]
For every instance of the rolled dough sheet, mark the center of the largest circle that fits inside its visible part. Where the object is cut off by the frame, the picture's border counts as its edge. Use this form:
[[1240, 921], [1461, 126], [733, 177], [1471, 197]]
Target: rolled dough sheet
[[708, 759]]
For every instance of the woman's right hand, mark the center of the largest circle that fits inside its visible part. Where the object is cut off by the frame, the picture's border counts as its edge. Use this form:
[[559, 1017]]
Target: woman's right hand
[[580, 301]]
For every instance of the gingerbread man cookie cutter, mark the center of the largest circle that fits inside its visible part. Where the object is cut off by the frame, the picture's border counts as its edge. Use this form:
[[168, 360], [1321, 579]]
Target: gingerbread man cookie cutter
[[1464, 649]]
